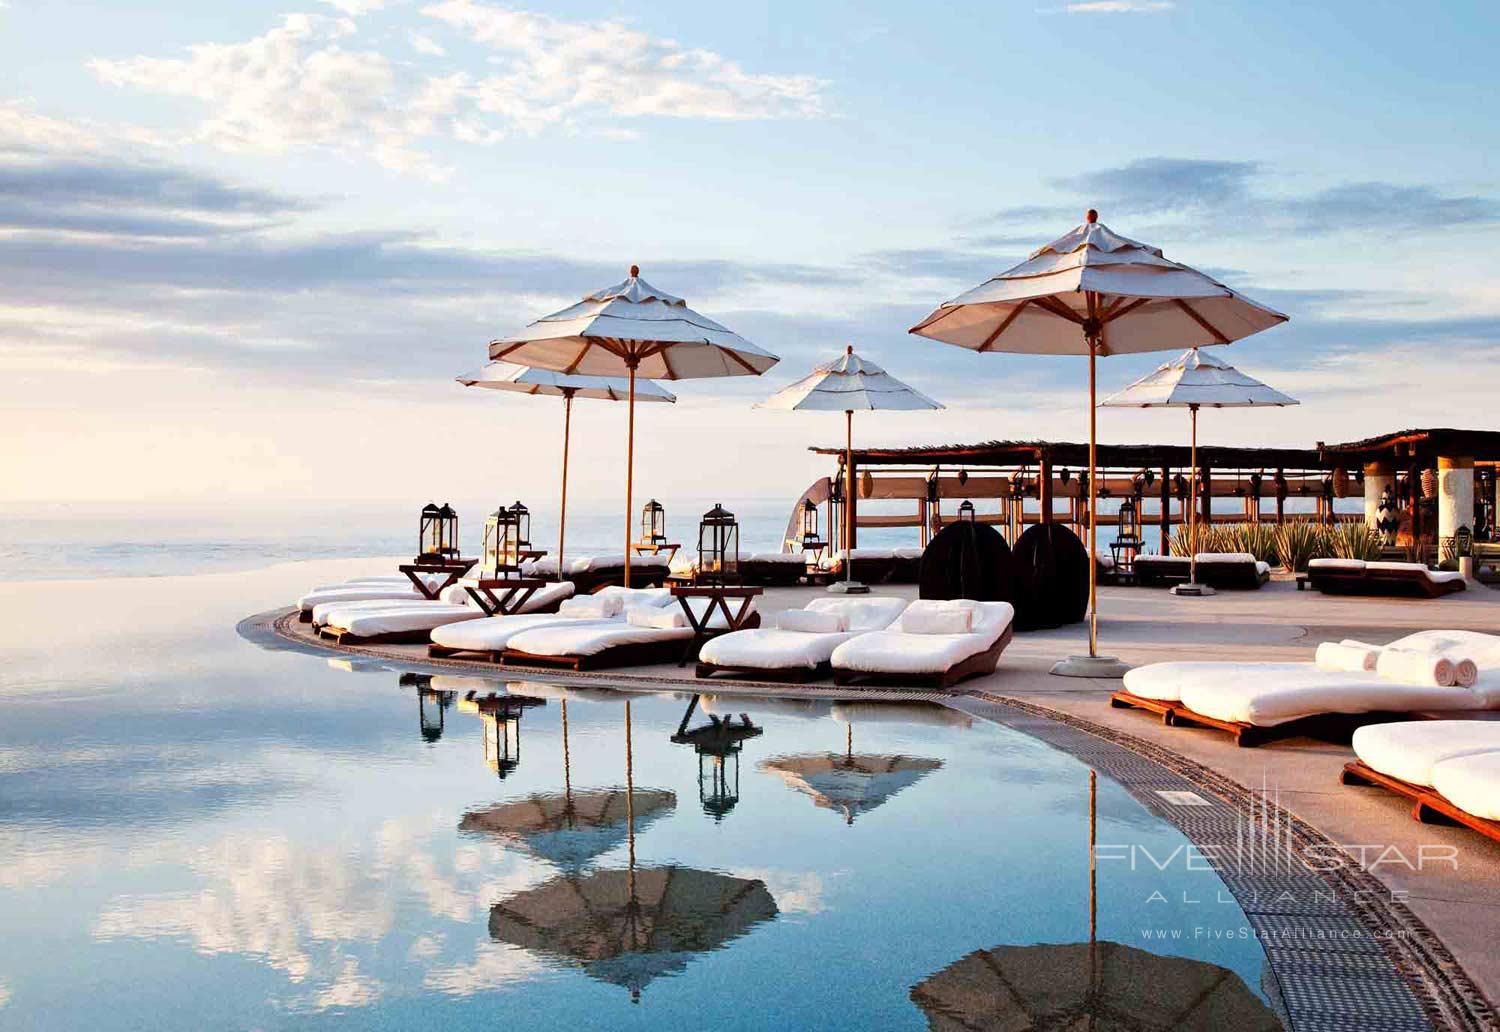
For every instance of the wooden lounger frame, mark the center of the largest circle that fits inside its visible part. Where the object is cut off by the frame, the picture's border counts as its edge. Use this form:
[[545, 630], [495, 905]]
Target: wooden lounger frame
[[796, 675], [1393, 583], [339, 636], [638, 653], [979, 663], [873, 571], [1427, 805], [1248, 736], [772, 575]]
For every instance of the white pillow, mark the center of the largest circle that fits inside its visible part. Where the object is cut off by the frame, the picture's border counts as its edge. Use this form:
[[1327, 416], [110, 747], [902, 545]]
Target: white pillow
[[810, 621], [665, 619], [938, 620], [592, 607]]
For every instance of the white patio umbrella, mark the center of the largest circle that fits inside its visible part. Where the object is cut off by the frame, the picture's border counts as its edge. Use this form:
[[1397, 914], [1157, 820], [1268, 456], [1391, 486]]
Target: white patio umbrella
[[1093, 292], [847, 384], [505, 376], [1192, 381], [633, 329]]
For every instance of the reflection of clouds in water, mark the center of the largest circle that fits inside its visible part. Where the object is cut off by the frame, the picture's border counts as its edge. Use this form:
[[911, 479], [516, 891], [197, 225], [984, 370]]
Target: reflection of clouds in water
[[299, 909], [32, 861], [495, 964], [795, 892], [4, 994]]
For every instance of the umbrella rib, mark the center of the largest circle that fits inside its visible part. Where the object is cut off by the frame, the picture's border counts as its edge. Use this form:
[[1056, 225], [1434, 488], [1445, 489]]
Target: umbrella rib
[[578, 358], [1219, 338], [1057, 308], [1004, 325], [1116, 311], [745, 365]]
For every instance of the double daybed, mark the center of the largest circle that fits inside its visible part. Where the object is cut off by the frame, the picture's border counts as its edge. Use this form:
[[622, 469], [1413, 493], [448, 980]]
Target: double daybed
[[491, 637], [1222, 570], [773, 569], [354, 614], [640, 635], [591, 572], [1258, 701], [397, 587], [936, 643], [1358, 577], [802, 643], [1449, 769]]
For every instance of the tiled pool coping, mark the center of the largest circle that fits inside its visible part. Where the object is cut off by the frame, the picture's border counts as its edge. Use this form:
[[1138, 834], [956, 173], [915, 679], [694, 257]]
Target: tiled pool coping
[[1346, 956]]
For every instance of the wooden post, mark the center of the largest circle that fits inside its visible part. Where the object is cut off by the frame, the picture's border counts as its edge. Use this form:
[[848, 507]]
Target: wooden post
[[562, 519], [1166, 508], [851, 490], [629, 471], [1043, 490]]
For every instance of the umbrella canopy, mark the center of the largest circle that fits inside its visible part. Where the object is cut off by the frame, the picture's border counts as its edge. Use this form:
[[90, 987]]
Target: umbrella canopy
[[1109, 988], [633, 326], [635, 329], [1192, 381], [507, 376], [629, 927], [850, 783], [1196, 379], [849, 384], [570, 829], [1094, 292]]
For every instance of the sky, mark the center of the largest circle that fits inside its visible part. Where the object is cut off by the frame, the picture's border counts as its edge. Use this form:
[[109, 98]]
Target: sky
[[245, 249]]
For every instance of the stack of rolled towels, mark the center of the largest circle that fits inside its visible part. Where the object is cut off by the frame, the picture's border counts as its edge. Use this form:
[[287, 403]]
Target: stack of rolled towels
[[1443, 669]]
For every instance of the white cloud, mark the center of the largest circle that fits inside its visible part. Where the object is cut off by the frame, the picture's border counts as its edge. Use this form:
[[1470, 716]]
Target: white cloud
[[299, 85], [355, 8], [1119, 6], [425, 44], [557, 71]]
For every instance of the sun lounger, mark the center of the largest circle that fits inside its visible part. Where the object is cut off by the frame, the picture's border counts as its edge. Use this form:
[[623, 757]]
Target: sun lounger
[[916, 650], [789, 653], [1449, 769], [1406, 580], [396, 588], [373, 622], [1224, 570], [595, 646], [590, 573], [507, 595], [1249, 700], [490, 637], [773, 569]]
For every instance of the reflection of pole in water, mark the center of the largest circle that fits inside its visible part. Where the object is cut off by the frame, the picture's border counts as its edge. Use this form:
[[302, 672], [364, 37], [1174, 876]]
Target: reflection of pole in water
[[630, 798], [1093, 892], [567, 758], [849, 742]]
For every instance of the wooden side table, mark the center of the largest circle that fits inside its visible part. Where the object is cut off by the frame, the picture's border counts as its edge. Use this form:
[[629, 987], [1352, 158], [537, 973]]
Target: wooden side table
[[718, 600], [453, 571], [657, 548], [518, 591]]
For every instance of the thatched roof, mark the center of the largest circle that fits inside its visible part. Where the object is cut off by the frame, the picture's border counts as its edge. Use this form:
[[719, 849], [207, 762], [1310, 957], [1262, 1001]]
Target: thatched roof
[[1421, 444], [1065, 453]]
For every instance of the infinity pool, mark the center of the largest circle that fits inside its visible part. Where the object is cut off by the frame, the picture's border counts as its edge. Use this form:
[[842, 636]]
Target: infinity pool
[[201, 833]]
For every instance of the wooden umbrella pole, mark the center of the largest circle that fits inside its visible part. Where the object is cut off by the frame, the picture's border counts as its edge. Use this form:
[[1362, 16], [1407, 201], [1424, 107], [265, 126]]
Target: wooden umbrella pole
[[562, 520], [1093, 495], [629, 470], [1193, 491], [848, 494]]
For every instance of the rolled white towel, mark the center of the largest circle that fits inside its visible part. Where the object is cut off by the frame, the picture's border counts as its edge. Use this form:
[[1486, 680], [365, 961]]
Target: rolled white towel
[[1347, 656], [592, 607], [662, 619], [1465, 671], [1418, 668]]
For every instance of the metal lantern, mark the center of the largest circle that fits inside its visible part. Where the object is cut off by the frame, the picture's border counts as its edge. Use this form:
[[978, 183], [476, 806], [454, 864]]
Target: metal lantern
[[502, 740], [966, 511], [1281, 486], [653, 523], [836, 491], [507, 531], [1130, 527], [718, 547], [810, 524], [1180, 486], [437, 533]]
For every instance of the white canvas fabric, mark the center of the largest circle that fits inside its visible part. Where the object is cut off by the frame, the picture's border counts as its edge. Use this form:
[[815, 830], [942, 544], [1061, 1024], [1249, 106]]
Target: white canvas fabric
[[849, 383], [1409, 750], [492, 633], [669, 339], [1336, 564], [812, 621], [1197, 378], [394, 593], [589, 638], [1471, 783], [895, 651], [773, 648], [331, 612], [507, 376], [1178, 304], [938, 621]]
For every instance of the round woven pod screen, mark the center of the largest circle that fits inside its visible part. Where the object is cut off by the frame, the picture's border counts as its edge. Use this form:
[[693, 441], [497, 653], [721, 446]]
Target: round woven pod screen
[[1052, 577], [967, 560]]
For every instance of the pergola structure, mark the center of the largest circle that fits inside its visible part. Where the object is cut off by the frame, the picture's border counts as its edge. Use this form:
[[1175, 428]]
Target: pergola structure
[[1043, 481]]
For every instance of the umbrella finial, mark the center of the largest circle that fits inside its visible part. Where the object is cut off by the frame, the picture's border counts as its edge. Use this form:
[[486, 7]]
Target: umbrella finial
[[848, 349], [1091, 216], [635, 270]]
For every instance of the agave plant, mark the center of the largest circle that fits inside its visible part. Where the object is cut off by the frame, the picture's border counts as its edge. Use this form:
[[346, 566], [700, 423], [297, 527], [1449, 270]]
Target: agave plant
[[1259, 539], [1298, 544], [1353, 541], [1210, 539]]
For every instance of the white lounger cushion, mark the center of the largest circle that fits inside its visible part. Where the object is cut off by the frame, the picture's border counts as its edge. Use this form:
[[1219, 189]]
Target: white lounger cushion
[[896, 652], [588, 638], [770, 648], [789, 558], [812, 621], [1336, 564], [372, 592], [1409, 750], [1471, 783], [327, 612], [1436, 576], [1225, 557], [547, 595], [423, 617], [493, 633]]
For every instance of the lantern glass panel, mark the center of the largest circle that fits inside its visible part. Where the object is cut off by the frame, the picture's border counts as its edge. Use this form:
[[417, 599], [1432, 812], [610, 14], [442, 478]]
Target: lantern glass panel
[[718, 547], [809, 522], [966, 511], [718, 782], [1129, 522]]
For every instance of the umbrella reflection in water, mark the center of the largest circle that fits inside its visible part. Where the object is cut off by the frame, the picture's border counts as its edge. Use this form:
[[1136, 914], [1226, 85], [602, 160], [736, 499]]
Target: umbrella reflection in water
[[632, 926], [849, 782], [1098, 986]]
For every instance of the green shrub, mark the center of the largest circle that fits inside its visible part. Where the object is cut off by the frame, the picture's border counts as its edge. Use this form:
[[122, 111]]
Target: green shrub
[[1298, 544], [1259, 539], [1353, 541]]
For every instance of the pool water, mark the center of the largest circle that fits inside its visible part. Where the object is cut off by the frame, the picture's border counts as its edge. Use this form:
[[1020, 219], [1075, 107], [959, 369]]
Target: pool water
[[201, 833]]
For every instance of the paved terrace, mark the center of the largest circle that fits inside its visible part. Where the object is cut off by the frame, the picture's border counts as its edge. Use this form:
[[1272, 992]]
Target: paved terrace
[[1143, 625]]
